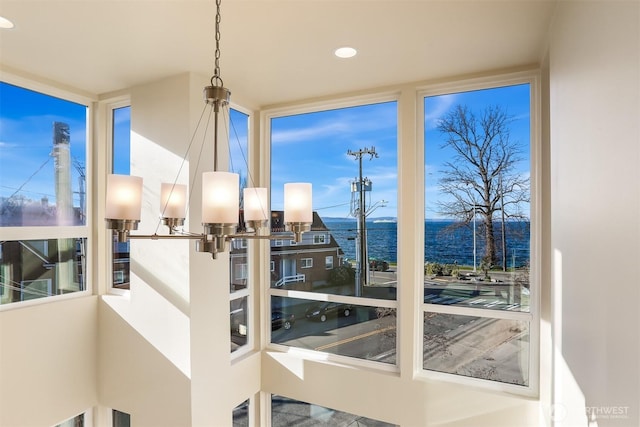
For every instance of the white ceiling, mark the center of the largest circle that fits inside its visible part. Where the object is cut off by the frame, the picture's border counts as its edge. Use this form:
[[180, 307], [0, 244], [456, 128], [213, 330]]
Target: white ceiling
[[273, 51]]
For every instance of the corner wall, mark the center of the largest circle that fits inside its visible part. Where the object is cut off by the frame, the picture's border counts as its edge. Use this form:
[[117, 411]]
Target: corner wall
[[47, 362], [595, 181]]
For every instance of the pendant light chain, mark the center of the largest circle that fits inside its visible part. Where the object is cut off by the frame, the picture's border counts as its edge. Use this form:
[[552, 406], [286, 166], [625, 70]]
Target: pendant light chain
[[220, 215], [216, 71]]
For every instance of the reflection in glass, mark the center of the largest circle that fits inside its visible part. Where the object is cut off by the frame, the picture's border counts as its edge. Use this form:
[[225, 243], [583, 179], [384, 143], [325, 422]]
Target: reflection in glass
[[239, 322], [290, 412], [241, 414], [363, 332], [318, 262], [478, 347], [503, 291], [121, 140], [77, 421], [238, 155], [478, 198], [121, 419], [31, 269], [43, 163], [352, 246]]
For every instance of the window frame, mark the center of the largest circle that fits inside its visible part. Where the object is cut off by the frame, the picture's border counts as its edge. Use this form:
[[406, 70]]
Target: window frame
[[241, 271], [328, 265], [266, 117], [107, 129], [61, 232], [409, 303], [532, 317], [251, 248], [319, 239]]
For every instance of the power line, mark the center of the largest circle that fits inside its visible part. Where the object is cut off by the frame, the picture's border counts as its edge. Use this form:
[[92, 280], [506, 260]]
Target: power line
[[30, 177]]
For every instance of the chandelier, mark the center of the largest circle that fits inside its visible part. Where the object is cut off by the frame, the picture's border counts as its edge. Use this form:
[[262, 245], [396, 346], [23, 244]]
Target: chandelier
[[220, 194]]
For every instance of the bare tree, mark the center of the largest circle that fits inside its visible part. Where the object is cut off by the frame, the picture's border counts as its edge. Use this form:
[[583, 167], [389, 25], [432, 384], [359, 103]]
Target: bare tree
[[481, 176]]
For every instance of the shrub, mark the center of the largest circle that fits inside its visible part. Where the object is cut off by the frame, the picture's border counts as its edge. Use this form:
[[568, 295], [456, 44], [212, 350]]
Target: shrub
[[433, 269], [345, 274]]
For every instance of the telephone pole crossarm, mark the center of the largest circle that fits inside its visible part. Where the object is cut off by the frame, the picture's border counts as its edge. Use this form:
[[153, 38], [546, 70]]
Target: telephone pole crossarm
[[361, 186]]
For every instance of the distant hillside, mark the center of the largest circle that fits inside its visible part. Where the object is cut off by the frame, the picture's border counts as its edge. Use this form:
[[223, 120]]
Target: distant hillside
[[343, 219], [336, 218]]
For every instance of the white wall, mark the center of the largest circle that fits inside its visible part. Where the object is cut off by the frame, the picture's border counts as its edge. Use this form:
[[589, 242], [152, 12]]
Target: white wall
[[47, 362], [594, 62], [165, 349], [144, 340], [135, 377]]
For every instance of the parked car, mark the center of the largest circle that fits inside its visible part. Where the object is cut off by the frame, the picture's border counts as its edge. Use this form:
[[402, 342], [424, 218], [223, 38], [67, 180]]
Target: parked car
[[322, 311], [281, 320], [378, 264]]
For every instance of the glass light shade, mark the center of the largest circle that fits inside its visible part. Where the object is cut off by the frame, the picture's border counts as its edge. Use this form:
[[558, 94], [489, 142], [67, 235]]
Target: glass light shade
[[124, 197], [173, 200], [220, 197], [297, 202], [255, 204]]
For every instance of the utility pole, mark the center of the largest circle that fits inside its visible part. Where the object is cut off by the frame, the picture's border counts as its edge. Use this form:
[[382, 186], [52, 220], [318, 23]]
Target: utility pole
[[474, 236], [358, 210], [503, 232], [81, 191], [66, 280], [61, 154]]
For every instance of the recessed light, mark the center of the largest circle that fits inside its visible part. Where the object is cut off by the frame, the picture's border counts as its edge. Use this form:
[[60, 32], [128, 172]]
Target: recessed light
[[5, 23], [345, 52]]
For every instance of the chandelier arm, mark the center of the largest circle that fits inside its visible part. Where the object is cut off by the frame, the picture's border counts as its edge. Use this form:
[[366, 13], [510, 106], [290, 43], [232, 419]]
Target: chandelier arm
[[165, 236], [204, 138], [162, 219], [193, 138], [253, 236]]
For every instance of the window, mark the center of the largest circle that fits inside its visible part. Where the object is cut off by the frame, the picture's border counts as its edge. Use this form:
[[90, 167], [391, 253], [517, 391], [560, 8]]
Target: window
[[121, 161], [328, 262], [478, 228], [77, 421], [118, 277], [27, 272], [240, 271], [240, 289], [241, 414], [120, 419], [288, 412], [319, 239], [353, 218], [44, 194], [43, 166], [239, 320], [238, 145]]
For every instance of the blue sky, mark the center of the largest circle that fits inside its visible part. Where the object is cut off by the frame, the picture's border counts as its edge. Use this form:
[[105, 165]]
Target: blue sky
[[26, 135], [513, 99], [306, 148], [313, 148]]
